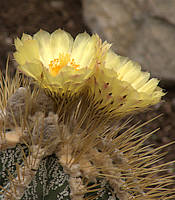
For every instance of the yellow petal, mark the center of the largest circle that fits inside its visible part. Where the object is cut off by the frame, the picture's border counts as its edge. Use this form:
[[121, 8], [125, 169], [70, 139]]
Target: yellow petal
[[33, 70], [45, 52], [141, 80], [26, 37], [19, 58], [114, 61], [150, 86], [132, 74], [61, 42], [66, 80], [29, 51], [18, 43], [83, 49], [89, 52]]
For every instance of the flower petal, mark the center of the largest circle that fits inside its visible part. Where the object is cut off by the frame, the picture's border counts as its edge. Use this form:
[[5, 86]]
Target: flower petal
[[67, 80], [114, 61], [45, 52], [34, 70], [26, 37], [61, 42], [150, 86], [18, 43], [83, 50], [29, 51]]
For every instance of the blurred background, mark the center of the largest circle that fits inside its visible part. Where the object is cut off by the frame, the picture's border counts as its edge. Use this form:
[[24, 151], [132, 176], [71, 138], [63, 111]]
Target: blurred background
[[143, 30]]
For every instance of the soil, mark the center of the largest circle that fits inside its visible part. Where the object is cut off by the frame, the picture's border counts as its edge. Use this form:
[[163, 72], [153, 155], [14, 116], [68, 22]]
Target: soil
[[18, 16]]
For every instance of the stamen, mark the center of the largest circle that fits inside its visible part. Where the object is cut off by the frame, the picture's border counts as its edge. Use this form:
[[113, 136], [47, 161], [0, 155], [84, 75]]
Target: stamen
[[62, 61]]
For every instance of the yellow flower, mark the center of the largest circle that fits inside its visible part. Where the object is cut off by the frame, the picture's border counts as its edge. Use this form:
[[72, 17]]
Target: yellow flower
[[60, 63], [56, 60], [123, 87]]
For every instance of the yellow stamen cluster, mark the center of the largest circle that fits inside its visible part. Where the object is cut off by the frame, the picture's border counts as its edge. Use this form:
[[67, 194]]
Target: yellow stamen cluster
[[58, 63]]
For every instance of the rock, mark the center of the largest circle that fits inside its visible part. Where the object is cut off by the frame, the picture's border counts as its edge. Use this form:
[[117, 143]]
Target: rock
[[154, 49], [143, 30], [163, 9], [104, 17]]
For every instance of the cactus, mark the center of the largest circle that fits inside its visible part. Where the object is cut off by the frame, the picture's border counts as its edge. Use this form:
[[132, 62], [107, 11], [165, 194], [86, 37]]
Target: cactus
[[61, 131]]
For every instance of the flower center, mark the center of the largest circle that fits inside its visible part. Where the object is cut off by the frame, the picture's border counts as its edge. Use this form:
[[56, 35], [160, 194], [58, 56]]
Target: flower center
[[63, 60]]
